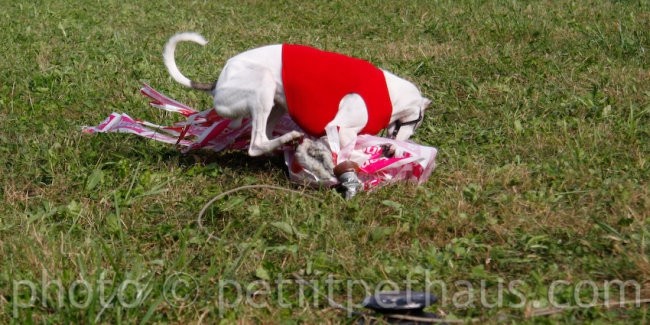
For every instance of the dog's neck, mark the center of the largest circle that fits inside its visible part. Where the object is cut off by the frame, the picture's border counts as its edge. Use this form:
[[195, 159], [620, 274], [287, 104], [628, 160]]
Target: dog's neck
[[404, 96]]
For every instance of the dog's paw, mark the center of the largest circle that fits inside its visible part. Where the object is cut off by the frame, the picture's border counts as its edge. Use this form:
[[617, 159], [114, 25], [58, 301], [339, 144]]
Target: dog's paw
[[294, 137], [255, 152]]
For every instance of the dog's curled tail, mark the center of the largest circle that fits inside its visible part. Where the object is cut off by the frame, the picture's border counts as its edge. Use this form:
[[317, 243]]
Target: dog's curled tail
[[170, 61]]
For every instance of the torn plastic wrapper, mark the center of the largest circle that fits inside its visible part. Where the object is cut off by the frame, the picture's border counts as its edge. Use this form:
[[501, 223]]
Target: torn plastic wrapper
[[206, 130]]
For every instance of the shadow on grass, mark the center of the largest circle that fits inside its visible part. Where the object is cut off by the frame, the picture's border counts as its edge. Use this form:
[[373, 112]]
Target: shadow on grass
[[136, 149], [229, 159]]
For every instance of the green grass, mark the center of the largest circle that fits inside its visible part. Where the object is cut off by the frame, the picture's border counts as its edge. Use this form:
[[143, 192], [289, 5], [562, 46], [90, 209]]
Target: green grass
[[541, 114]]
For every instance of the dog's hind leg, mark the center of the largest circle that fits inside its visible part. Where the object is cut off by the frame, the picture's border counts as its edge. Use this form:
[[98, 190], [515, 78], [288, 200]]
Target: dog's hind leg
[[261, 111], [246, 89]]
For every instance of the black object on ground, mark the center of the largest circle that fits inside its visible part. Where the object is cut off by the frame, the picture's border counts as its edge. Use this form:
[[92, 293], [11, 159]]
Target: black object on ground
[[402, 307]]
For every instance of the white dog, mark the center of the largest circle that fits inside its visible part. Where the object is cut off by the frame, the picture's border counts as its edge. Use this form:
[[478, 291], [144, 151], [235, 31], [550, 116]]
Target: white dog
[[321, 91]]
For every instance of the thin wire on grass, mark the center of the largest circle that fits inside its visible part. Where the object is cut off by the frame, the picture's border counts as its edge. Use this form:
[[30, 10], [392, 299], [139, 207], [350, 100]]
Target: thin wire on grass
[[241, 188], [432, 320], [608, 305]]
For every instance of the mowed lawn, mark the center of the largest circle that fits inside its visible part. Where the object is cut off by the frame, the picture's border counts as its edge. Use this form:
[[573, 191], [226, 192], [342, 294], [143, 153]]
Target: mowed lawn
[[537, 212]]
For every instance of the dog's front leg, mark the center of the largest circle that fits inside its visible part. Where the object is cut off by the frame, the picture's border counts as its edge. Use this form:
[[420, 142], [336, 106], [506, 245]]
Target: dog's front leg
[[350, 119]]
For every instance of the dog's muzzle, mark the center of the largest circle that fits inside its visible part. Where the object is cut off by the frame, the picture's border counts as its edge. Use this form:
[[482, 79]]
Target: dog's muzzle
[[399, 124]]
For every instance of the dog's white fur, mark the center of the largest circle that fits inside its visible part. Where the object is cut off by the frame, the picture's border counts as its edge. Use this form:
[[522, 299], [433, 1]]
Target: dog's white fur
[[250, 84]]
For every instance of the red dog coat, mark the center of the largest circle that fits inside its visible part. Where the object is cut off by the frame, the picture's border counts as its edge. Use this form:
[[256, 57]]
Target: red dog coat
[[315, 81]]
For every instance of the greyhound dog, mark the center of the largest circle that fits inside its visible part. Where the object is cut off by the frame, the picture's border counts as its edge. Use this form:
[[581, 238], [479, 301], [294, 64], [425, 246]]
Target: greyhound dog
[[321, 91]]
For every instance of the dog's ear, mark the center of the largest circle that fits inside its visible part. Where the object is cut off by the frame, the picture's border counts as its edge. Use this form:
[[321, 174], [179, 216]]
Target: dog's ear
[[425, 102]]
